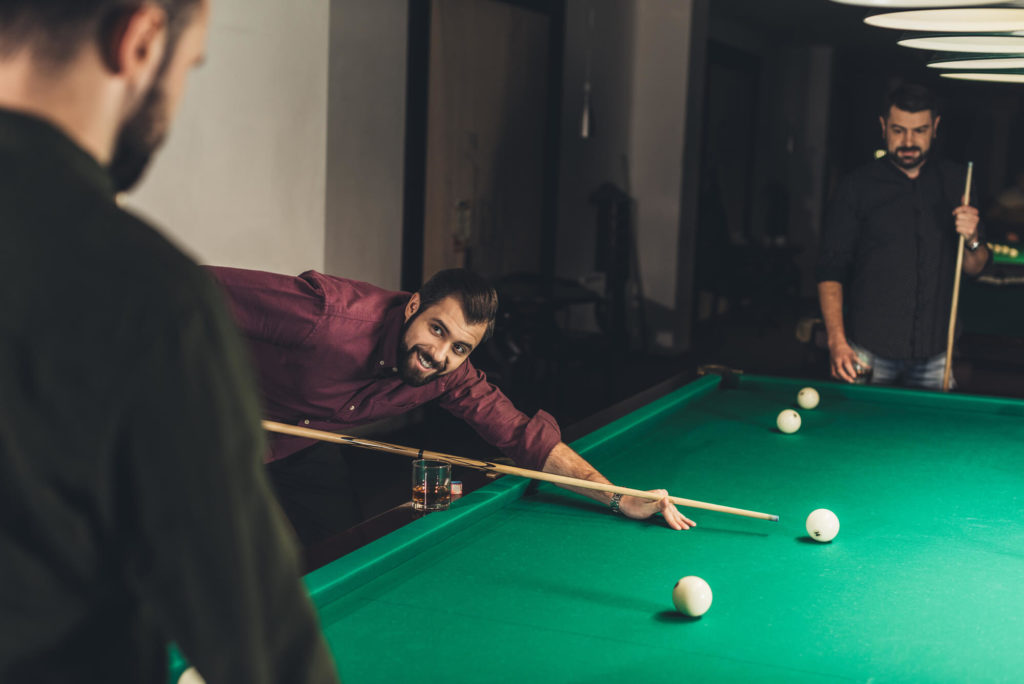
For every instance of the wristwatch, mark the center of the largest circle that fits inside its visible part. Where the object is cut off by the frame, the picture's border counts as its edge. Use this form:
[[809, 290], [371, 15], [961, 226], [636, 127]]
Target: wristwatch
[[973, 245], [614, 503]]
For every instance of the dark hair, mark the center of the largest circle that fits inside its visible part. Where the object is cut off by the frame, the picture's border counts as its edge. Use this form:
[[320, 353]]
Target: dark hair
[[911, 97], [55, 29], [478, 299]]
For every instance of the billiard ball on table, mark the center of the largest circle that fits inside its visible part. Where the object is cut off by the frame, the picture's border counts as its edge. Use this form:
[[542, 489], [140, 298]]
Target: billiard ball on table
[[691, 596], [822, 525]]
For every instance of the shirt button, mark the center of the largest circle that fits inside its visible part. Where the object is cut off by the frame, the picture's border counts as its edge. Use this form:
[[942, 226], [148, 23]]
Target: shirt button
[[352, 407], [380, 363], [306, 421], [394, 370]]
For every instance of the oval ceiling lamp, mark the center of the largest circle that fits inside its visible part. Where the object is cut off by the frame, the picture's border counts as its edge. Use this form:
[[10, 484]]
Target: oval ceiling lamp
[[908, 4], [1003, 43], [987, 62], [1014, 76], [964, 20]]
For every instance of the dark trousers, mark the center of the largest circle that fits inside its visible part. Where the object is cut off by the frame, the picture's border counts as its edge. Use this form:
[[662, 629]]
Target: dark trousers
[[318, 491]]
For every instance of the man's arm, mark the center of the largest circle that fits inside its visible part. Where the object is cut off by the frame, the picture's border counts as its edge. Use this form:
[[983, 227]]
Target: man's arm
[[213, 557], [839, 237], [536, 442], [966, 218], [843, 358], [564, 461]]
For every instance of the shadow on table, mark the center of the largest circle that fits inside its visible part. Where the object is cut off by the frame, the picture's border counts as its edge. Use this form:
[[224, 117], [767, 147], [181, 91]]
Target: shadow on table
[[672, 616]]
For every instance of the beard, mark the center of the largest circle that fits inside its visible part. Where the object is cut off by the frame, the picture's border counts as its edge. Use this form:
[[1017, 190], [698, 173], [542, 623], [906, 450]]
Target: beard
[[409, 370], [138, 139], [908, 162]]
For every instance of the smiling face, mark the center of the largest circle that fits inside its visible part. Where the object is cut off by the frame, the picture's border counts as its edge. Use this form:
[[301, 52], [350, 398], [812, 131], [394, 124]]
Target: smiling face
[[435, 341], [908, 137]]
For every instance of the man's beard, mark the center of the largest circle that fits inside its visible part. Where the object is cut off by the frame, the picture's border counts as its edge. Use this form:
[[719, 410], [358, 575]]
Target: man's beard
[[911, 162], [408, 368], [138, 139]]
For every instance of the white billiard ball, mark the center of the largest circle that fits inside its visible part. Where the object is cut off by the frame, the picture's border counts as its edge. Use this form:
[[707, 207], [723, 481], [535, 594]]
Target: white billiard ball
[[788, 421], [822, 525], [691, 596], [807, 398], [190, 676]]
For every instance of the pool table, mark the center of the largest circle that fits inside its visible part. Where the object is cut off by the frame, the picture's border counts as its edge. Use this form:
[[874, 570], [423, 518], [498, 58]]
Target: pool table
[[525, 583], [993, 303]]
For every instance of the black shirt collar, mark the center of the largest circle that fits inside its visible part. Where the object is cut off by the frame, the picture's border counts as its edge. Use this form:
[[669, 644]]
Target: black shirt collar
[[43, 143], [926, 169]]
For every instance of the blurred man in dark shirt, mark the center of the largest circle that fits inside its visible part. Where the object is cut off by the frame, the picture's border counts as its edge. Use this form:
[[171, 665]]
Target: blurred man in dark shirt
[[134, 509]]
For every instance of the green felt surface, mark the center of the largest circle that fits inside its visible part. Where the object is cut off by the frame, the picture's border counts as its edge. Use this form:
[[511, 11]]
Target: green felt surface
[[1006, 259], [923, 582]]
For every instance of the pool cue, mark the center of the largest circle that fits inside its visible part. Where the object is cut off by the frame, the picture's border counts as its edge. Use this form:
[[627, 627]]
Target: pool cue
[[956, 287], [324, 436]]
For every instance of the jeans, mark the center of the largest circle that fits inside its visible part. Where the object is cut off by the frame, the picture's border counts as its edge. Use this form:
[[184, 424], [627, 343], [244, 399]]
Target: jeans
[[923, 373]]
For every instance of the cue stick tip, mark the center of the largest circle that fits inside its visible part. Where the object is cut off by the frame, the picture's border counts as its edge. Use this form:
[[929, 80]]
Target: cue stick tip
[[774, 518]]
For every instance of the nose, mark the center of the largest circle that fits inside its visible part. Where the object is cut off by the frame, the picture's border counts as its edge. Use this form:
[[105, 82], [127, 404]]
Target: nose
[[439, 354], [442, 355]]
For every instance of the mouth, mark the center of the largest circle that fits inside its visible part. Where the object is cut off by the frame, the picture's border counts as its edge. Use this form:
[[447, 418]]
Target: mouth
[[425, 361]]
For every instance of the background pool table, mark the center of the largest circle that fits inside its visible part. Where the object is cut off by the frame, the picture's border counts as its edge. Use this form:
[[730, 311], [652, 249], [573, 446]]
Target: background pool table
[[993, 303], [990, 351], [521, 582]]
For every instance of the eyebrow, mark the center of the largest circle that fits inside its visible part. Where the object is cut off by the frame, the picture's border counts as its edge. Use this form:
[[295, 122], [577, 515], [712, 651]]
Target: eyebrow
[[439, 323]]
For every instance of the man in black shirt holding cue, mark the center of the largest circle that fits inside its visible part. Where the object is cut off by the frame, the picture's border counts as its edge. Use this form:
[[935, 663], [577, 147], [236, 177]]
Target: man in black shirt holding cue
[[134, 509], [888, 253]]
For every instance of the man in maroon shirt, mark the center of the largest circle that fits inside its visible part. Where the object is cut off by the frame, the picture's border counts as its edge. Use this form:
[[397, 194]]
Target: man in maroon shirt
[[333, 353]]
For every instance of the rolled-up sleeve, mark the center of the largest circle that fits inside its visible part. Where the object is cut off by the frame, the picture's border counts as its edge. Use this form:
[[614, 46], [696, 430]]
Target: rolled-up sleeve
[[839, 236], [525, 440]]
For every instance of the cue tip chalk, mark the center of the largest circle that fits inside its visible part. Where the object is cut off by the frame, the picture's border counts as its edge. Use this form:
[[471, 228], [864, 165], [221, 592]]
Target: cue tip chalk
[[774, 518]]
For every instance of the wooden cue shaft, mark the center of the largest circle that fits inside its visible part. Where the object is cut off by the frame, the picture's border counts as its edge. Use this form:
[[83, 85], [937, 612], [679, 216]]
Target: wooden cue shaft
[[946, 372], [325, 436]]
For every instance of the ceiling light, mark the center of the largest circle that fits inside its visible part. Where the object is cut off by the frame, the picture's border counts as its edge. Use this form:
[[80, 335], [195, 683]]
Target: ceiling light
[[1005, 43], [956, 20], [959, 61], [1015, 76], [902, 4]]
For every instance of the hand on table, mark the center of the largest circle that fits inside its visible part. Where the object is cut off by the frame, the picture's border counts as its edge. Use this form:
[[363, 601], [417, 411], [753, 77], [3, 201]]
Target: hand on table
[[843, 362], [967, 222], [641, 509]]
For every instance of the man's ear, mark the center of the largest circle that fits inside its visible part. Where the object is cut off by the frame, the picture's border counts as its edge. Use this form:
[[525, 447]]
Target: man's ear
[[413, 306], [881, 121], [134, 44], [935, 127]]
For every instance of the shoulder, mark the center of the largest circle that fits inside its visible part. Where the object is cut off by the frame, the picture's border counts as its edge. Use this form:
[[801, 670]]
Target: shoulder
[[851, 183], [874, 171], [161, 268], [354, 298], [131, 272], [948, 166], [950, 171]]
